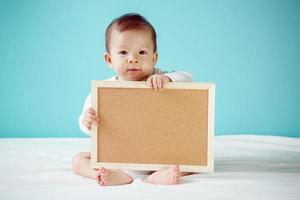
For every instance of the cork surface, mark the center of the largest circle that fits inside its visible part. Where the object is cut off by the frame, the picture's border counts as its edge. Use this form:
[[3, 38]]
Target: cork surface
[[149, 127]]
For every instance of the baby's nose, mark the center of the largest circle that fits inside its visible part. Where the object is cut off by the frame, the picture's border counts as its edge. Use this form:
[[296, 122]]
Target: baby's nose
[[132, 60]]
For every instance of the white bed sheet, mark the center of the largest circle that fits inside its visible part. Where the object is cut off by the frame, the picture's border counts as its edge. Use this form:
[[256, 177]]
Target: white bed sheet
[[246, 167]]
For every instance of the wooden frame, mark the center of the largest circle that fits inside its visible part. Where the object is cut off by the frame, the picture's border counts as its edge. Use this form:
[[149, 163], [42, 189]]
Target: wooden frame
[[122, 147]]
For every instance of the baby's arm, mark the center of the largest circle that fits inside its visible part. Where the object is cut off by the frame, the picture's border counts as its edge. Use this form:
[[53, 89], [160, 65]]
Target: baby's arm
[[179, 76], [88, 117]]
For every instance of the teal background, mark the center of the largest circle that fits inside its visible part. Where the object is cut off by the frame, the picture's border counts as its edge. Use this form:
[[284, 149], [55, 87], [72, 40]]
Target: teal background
[[51, 49]]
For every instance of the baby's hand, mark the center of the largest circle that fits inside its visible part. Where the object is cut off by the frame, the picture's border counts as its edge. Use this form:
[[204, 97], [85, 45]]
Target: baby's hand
[[90, 118], [157, 81]]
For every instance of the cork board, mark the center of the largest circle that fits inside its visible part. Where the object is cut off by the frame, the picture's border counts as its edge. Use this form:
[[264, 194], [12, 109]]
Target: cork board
[[143, 129]]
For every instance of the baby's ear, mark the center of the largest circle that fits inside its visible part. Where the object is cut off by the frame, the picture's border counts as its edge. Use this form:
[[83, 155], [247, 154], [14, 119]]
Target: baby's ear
[[107, 59], [155, 57]]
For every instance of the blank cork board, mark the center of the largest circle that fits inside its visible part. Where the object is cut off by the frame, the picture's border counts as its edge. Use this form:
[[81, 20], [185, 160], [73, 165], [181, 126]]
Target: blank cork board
[[144, 129]]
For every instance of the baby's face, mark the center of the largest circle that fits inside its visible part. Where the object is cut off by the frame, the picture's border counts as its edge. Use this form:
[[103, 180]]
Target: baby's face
[[131, 54]]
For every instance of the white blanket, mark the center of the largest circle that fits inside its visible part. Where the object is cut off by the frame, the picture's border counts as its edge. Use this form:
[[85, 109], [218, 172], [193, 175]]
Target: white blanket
[[246, 167]]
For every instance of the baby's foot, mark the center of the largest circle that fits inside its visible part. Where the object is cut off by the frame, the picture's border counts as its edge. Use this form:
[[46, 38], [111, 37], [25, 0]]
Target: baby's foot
[[168, 176], [113, 177]]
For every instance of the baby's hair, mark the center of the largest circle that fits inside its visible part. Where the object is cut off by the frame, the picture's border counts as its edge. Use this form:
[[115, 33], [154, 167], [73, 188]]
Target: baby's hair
[[130, 21]]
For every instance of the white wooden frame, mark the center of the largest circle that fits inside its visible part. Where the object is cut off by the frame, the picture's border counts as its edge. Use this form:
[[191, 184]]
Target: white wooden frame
[[173, 85]]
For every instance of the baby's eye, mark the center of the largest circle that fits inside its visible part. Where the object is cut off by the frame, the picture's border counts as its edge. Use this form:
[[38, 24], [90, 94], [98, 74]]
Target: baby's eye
[[143, 52], [123, 52]]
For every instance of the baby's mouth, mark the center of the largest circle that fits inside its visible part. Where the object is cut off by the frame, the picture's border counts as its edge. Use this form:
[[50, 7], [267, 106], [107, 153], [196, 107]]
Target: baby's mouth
[[133, 70]]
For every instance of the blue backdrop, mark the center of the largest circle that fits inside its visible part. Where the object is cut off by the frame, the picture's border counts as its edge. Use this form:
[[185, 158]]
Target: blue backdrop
[[50, 50]]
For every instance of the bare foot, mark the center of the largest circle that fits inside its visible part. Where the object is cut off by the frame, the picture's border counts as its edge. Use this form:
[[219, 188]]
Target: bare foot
[[168, 176], [109, 177]]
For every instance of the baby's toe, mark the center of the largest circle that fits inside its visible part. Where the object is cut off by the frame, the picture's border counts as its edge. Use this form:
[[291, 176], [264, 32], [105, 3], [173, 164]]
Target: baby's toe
[[103, 171], [175, 168], [101, 183], [98, 179], [176, 176], [175, 180]]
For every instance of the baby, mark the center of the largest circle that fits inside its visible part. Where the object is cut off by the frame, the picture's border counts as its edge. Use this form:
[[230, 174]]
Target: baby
[[131, 53]]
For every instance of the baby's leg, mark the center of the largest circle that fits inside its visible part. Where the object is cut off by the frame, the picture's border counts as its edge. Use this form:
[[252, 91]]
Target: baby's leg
[[82, 167]]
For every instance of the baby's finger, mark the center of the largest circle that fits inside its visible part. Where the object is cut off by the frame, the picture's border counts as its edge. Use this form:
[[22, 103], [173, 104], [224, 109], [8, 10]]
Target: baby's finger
[[98, 178], [160, 83], [149, 82], [91, 116], [92, 121], [96, 121], [154, 82], [91, 110], [88, 118], [87, 124]]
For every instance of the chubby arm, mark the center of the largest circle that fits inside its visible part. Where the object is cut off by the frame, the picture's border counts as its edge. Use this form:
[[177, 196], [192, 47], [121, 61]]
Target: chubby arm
[[179, 76]]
